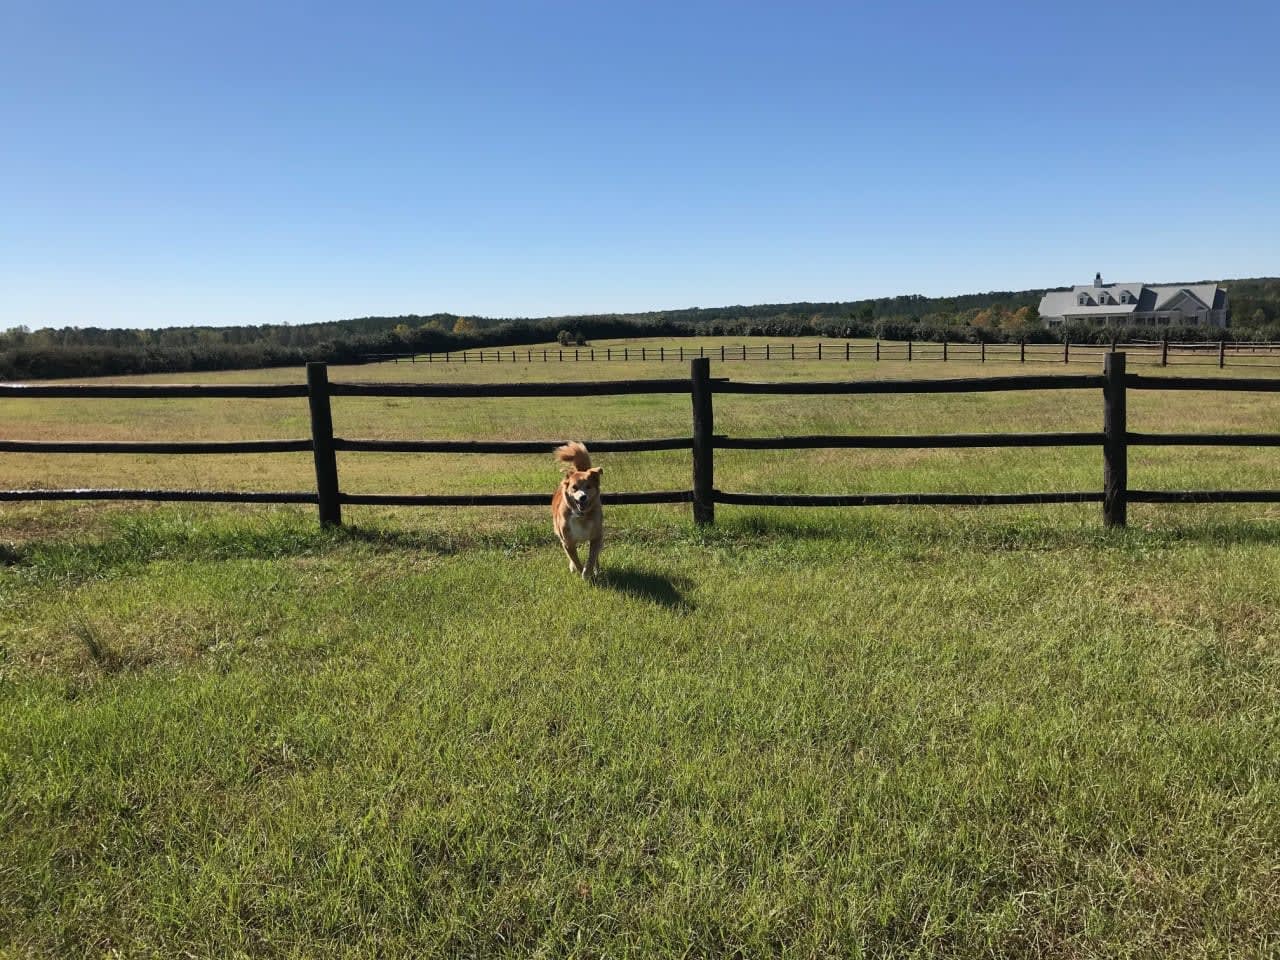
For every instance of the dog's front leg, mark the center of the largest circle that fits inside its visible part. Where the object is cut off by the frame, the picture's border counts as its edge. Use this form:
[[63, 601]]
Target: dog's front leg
[[571, 551], [593, 558]]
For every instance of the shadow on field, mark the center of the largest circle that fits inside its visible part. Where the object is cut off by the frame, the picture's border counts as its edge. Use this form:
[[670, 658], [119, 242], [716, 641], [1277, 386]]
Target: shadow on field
[[644, 585]]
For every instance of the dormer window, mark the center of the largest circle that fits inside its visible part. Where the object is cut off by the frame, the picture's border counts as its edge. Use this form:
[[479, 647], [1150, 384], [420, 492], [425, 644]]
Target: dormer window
[[1124, 296], [1081, 299]]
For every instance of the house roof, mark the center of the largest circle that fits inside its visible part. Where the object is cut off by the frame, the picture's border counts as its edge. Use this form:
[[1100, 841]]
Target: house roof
[[1145, 298]]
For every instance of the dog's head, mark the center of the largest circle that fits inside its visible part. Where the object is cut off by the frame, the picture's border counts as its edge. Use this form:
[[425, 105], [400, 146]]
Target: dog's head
[[582, 489]]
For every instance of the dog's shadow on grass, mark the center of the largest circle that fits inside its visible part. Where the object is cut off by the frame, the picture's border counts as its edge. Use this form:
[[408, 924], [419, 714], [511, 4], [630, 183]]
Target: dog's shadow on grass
[[656, 588]]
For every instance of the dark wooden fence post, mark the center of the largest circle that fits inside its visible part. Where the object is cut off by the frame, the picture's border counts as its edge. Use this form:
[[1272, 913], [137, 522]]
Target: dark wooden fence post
[[908, 349], [982, 345], [846, 350], [1115, 444], [944, 349], [1222, 354], [1022, 350], [877, 351], [322, 445], [1164, 351], [704, 503], [1066, 350]]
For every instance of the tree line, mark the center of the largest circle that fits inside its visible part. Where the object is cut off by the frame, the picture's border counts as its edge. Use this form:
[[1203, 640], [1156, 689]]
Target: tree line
[[993, 317]]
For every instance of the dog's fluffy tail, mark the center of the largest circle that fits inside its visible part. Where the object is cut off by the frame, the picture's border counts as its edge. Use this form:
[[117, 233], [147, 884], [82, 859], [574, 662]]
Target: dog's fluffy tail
[[574, 453]]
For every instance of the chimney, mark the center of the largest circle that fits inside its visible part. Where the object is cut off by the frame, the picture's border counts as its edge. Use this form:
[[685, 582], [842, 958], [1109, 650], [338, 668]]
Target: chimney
[[1097, 279]]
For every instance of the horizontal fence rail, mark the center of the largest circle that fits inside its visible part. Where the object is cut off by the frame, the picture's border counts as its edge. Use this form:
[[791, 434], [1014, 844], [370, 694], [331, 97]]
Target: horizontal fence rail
[[955, 385], [164, 496], [892, 499], [919, 442], [579, 388], [1114, 439], [133, 391], [504, 499], [155, 446], [507, 446]]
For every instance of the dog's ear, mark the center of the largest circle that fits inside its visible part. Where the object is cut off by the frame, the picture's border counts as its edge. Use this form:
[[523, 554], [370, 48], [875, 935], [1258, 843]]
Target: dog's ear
[[594, 474]]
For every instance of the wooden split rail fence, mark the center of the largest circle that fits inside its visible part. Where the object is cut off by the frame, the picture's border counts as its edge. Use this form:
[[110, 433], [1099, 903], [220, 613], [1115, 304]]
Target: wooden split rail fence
[[1114, 440]]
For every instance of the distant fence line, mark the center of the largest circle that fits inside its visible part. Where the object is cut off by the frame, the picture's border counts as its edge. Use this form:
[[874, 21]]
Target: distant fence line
[[1154, 352], [1114, 440]]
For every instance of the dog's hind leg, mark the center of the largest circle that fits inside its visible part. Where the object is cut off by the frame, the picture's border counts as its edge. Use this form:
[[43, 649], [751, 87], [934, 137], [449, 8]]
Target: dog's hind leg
[[571, 551], [593, 558]]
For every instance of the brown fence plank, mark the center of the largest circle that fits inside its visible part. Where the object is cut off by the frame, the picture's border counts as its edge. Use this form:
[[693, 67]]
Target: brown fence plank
[[155, 446], [890, 499], [1205, 496], [908, 442], [505, 499], [1205, 439], [163, 496], [956, 385], [508, 446], [129, 391], [1145, 382], [582, 388]]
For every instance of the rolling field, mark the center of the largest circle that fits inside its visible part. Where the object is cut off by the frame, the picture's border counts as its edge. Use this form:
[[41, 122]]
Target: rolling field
[[864, 732]]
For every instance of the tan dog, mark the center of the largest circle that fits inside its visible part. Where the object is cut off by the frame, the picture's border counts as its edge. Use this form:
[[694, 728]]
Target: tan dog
[[575, 508]]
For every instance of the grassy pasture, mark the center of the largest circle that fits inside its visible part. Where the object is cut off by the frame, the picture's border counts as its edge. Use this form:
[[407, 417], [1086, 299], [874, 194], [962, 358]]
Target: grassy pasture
[[890, 732]]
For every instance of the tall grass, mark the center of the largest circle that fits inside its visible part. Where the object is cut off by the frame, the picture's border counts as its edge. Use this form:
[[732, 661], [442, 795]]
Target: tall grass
[[887, 732]]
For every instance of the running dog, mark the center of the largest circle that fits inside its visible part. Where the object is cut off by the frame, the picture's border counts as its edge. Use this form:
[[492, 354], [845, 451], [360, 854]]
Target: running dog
[[575, 508]]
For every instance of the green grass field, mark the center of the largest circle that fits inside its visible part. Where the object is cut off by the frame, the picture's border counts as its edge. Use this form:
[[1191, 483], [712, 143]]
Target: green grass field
[[880, 732]]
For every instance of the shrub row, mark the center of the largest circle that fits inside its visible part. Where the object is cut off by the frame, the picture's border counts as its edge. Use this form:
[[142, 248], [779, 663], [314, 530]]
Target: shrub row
[[55, 361]]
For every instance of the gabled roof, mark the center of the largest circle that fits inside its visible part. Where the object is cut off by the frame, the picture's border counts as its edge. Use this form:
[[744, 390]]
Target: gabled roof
[[1144, 298], [1204, 292]]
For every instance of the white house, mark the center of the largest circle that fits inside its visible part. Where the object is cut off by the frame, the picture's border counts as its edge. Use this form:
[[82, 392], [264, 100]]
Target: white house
[[1136, 305]]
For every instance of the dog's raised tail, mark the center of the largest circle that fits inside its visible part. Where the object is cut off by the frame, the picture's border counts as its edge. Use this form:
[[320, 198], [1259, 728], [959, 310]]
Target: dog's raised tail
[[574, 453]]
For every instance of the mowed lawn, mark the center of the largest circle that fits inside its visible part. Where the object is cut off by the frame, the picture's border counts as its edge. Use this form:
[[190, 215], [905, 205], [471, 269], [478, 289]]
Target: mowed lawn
[[885, 732]]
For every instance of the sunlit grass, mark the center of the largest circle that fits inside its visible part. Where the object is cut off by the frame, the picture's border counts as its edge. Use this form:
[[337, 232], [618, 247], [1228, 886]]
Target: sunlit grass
[[903, 732]]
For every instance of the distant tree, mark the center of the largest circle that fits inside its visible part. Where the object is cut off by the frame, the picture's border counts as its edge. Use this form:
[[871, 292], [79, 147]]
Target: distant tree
[[463, 325], [1020, 320]]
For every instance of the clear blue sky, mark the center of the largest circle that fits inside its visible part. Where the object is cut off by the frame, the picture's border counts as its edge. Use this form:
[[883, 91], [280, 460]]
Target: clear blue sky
[[232, 162]]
